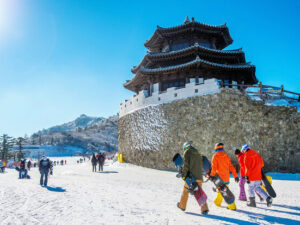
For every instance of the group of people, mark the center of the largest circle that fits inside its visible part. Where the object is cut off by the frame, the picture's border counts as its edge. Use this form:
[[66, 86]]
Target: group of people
[[61, 162], [2, 166], [98, 159], [250, 163]]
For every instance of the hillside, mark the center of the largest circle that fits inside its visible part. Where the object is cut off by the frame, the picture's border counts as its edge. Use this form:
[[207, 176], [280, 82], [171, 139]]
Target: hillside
[[87, 133]]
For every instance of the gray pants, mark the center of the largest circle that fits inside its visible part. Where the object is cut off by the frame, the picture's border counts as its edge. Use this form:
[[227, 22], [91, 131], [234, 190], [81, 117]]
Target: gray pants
[[254, 186]]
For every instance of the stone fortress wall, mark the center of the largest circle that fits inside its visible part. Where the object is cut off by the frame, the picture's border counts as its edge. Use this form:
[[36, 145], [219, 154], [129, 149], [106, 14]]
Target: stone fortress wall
[[191, 89], [151, 135]]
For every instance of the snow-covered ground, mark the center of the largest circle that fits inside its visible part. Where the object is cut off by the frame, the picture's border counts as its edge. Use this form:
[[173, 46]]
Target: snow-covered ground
[[127, 194]]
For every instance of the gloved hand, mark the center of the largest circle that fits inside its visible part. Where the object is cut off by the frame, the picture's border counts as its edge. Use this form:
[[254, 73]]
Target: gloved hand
[[248, 181], [183, 178], [237, 179], [178, 175]]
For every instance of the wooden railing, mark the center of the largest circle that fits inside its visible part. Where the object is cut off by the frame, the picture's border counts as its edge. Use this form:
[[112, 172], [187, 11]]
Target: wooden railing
[[265, 91]]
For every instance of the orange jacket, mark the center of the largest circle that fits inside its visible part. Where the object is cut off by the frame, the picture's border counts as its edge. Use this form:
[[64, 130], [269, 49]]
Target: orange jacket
[[221, 165], [253, 165], [241, 158]]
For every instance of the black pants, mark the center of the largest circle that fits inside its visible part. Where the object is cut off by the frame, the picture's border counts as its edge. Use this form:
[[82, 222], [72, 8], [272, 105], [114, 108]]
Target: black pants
[[101, 166], [94, 167]]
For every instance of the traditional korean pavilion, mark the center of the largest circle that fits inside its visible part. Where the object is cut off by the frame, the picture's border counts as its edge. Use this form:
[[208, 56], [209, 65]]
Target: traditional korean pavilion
[[189, 52]]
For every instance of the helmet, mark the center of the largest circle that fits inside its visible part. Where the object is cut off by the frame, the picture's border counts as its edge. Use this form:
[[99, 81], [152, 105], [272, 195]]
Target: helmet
[[187, 145], [245, 148], [219, 146]]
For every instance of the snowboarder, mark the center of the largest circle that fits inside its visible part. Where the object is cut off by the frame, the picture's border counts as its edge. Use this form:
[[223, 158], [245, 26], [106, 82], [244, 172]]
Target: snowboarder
[[222, 166], [253, 164], [192, 163], [45, 166], [101, 160], [242, 182], [241, 159], [94, 162], [28, 165]]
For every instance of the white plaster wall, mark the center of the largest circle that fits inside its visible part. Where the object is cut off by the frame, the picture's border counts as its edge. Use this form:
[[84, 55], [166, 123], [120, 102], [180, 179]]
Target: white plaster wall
[[210, 86]]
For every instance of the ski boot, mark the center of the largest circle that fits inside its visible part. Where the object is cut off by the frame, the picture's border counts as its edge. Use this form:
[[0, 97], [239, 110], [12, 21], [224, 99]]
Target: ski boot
[[232, 206], [269, 201], [178, 205], [218, 200], [205, 212], [252, 202]]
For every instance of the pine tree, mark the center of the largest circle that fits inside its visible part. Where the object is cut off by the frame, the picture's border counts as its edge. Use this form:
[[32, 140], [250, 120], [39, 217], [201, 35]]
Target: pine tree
[[6, 142], [19, 143]]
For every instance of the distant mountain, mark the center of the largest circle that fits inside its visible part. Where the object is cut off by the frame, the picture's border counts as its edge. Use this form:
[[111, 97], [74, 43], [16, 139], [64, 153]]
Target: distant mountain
[[88, 133], [81, 122]]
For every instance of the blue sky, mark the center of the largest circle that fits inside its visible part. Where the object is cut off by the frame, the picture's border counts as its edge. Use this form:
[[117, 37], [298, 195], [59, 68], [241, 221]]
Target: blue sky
[[62, 58]]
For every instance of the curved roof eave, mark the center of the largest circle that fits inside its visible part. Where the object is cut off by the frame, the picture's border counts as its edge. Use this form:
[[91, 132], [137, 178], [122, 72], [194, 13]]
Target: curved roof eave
[[196, 61], [160, 30], [196, 46]]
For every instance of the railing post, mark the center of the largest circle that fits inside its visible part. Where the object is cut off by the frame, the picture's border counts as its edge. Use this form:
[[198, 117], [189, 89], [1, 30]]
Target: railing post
[[281, 91], [260, 88]]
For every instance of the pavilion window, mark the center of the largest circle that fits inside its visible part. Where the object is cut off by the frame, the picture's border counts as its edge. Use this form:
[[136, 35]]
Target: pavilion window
[[180, 46], [226, 83], [204, 44], [169, 84], [200, 80]]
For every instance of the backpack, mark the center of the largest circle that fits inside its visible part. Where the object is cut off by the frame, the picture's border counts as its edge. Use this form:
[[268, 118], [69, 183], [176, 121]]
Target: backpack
[[45, 163]]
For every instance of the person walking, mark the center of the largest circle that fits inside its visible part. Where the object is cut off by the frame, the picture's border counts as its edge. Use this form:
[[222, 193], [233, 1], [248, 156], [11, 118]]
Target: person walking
[[192, 163], [222, 166], [101, 160], [94, 162], [29, 165], [253, 165], [45, 166]]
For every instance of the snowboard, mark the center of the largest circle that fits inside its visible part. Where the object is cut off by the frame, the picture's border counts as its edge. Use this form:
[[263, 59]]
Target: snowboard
[[206, 165], [220, 185], [267, 185], [194, 188]]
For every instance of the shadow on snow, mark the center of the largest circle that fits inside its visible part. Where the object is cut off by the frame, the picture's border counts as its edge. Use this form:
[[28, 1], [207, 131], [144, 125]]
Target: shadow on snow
[[225, 219], [107, 172], [55, 189], [255, 218], [271, 219]]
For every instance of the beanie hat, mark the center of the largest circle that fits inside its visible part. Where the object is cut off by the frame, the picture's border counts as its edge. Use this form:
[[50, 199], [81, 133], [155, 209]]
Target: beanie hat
[[219, 147], [237, 152]]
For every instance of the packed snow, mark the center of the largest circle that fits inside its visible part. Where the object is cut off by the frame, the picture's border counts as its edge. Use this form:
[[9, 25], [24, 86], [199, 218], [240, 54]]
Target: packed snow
[[128, 194]]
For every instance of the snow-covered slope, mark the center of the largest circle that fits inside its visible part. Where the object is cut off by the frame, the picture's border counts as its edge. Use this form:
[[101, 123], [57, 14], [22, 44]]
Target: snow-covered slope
[[81, 122], [100, 135], [127, 194]]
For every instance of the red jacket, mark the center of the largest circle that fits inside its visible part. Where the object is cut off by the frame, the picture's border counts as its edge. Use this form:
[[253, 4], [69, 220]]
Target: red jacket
[[221, 165], [253, 165], [241, 158]]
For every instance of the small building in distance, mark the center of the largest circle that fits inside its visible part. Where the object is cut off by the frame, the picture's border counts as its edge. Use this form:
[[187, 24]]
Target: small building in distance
[[185, 61]]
